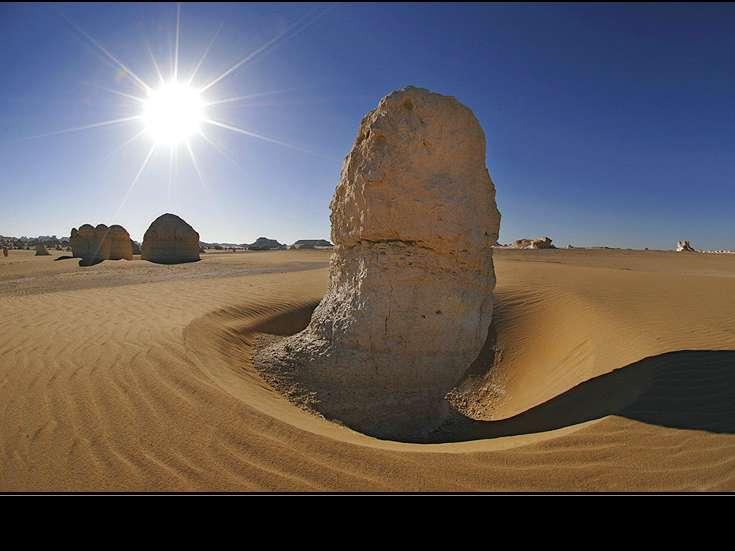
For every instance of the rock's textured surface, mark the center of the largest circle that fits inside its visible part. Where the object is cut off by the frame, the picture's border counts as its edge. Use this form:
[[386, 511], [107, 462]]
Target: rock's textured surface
[[411, 280], [102, 243], [120, 247], [684, 246], [95, 244], [82, 241], [539, 243], [41, 250], [170, 240]]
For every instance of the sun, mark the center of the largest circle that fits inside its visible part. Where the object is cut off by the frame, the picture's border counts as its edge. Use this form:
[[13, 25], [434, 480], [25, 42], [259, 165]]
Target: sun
[[173, 113]]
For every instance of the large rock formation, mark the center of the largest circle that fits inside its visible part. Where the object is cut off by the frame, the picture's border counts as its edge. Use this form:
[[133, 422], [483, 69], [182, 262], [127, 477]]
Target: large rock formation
[[95, 244], [410, 297], [170, 240], [120, 245], [41, 250], [539, 243], [82, 241], [684, 246], [102, 243], [265, 244]]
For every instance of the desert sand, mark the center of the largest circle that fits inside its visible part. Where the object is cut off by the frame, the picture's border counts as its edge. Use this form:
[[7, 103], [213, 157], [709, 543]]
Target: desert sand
[[606, 370]]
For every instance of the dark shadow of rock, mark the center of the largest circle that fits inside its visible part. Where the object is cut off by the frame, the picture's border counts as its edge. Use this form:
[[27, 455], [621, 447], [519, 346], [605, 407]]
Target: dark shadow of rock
[[686, 389], [169, 262], [90, 261], [67, 257]]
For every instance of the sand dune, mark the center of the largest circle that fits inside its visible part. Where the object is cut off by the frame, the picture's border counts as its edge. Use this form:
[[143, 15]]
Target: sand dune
[[611, 370]]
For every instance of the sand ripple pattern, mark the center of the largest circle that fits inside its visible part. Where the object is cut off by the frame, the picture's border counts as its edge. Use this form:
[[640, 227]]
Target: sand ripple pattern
[[612, 371]]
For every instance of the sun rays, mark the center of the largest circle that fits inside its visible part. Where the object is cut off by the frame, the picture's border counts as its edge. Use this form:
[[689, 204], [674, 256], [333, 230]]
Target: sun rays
[[173, 111]]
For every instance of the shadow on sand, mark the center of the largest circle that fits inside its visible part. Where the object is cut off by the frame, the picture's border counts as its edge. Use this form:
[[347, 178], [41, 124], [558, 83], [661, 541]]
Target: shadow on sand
[[686, 389], [90, 261]]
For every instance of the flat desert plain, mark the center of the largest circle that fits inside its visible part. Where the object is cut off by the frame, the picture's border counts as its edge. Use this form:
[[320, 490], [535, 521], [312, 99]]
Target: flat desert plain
[[604, 370]]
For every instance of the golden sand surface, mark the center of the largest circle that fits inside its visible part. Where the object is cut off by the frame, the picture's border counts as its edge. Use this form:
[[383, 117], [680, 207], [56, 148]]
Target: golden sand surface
[[611, 370]]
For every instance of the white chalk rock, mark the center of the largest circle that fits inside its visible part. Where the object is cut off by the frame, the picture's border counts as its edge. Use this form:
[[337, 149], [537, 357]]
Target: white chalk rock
[[410, 295], [684, 246]]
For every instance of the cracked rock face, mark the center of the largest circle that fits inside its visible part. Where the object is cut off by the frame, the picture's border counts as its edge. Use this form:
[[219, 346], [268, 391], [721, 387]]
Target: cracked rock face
[[410, 297], [170, 240]]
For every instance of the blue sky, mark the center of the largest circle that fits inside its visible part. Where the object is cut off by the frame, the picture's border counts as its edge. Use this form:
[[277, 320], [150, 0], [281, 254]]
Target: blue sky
[[605, 124]]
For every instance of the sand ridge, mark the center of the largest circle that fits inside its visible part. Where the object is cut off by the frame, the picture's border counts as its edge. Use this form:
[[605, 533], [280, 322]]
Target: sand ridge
[[623, 361]]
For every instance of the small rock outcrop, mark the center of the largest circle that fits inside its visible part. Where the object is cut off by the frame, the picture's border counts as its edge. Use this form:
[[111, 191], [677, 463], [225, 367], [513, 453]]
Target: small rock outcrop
[[170, 240], [539, 243], [411, 280], [312, 244], [684, 246], [41, 250], [265, 244]]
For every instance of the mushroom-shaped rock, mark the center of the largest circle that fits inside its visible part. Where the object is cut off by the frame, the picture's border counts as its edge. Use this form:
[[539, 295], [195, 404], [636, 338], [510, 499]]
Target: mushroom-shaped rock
[[411, 281], [170, 240], [120, 247], [41, 250]]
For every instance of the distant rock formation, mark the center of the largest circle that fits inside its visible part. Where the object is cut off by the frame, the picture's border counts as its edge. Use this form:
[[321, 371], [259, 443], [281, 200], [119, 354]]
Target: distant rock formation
[[540, 243], [410, 294], [95, 244], [170, 240], [135, 247], [312, 244], [265, 244], [684, 246], [41, 250]]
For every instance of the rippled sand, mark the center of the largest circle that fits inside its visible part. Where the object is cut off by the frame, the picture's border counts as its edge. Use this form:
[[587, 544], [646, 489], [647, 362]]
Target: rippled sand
[[611, 370]]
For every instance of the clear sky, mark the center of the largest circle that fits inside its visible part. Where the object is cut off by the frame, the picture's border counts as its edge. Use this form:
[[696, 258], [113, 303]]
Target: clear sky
[[606, 124]]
